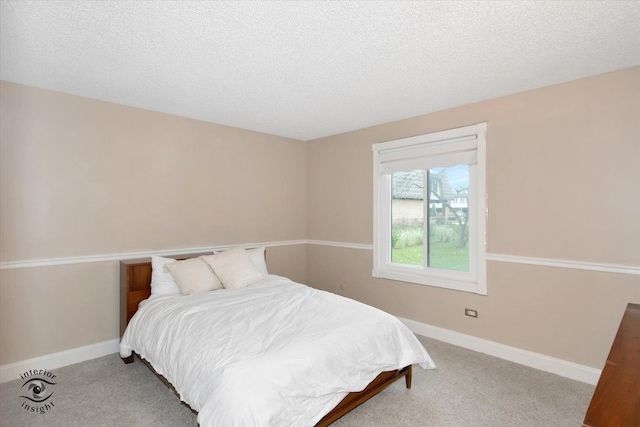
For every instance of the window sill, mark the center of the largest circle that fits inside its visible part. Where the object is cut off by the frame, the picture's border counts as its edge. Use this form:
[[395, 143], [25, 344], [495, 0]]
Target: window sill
[[429, 280]]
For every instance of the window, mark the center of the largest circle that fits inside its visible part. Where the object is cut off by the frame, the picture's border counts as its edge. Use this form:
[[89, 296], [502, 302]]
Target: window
[[430, 209]]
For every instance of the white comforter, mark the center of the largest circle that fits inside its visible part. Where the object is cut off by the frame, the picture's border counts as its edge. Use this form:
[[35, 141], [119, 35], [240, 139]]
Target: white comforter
[[277, 353]]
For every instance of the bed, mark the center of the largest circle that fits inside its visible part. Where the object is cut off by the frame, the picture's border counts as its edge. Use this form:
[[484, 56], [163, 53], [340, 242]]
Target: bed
[[253, 385]]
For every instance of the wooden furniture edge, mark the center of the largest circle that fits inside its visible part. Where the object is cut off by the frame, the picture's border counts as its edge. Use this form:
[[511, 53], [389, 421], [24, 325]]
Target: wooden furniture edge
[[616, 398], [135, 286], [355, 399]]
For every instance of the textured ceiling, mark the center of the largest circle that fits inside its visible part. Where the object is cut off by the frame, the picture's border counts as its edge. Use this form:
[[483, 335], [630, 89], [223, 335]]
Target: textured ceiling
[[310, 69]]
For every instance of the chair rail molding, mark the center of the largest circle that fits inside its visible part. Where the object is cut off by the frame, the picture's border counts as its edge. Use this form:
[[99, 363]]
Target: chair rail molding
[[494, 257]]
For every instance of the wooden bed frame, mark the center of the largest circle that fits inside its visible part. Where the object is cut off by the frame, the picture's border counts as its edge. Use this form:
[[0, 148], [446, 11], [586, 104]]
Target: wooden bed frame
[[135, 286]]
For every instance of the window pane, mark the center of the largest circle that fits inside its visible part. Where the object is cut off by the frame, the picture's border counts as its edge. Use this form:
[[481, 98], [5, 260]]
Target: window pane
[[407, 212], [449, 218]]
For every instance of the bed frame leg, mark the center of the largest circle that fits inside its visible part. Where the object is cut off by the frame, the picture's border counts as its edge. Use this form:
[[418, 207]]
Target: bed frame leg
[[128, 360], [407, 377]]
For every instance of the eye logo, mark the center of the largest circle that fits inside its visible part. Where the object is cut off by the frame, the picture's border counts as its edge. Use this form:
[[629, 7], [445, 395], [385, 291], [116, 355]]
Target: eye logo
[[37, 390]]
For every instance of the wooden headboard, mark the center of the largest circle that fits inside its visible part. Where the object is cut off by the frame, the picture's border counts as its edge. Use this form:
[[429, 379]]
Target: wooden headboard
[[135, 285]]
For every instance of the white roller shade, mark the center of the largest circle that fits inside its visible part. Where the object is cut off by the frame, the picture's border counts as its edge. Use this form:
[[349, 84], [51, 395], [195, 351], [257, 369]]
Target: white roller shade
[[426, 163], [427, 156]]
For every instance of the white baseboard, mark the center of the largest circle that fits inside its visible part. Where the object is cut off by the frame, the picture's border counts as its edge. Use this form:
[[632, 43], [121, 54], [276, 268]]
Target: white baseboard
[[12, 371], [539, 361]]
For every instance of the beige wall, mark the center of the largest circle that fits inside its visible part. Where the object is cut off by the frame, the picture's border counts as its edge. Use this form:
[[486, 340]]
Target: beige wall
[[562, 180], [103, 178], [81, 177]]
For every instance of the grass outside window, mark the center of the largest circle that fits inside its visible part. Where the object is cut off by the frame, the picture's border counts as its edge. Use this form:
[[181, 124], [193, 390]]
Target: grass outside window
[[445, 251]]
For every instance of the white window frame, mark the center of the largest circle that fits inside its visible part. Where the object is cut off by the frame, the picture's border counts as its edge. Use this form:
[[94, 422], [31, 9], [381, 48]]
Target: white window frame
[[421, 152]]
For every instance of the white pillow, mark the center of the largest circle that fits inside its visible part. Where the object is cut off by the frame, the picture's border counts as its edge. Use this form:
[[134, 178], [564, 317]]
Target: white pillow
[[234, 268], [162, 283], [194, 276], [257, 258]]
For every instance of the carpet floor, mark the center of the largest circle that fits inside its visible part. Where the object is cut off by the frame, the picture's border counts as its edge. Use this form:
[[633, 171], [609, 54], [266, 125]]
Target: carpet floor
[[466, 389]]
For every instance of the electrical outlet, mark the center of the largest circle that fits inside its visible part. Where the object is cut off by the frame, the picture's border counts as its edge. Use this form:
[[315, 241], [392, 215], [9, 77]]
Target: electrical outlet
[[470, 312]]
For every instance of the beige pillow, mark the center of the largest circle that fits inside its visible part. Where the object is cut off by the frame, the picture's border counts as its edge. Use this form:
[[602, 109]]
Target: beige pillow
[[194, 276], [256, 255], [234, 268]]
